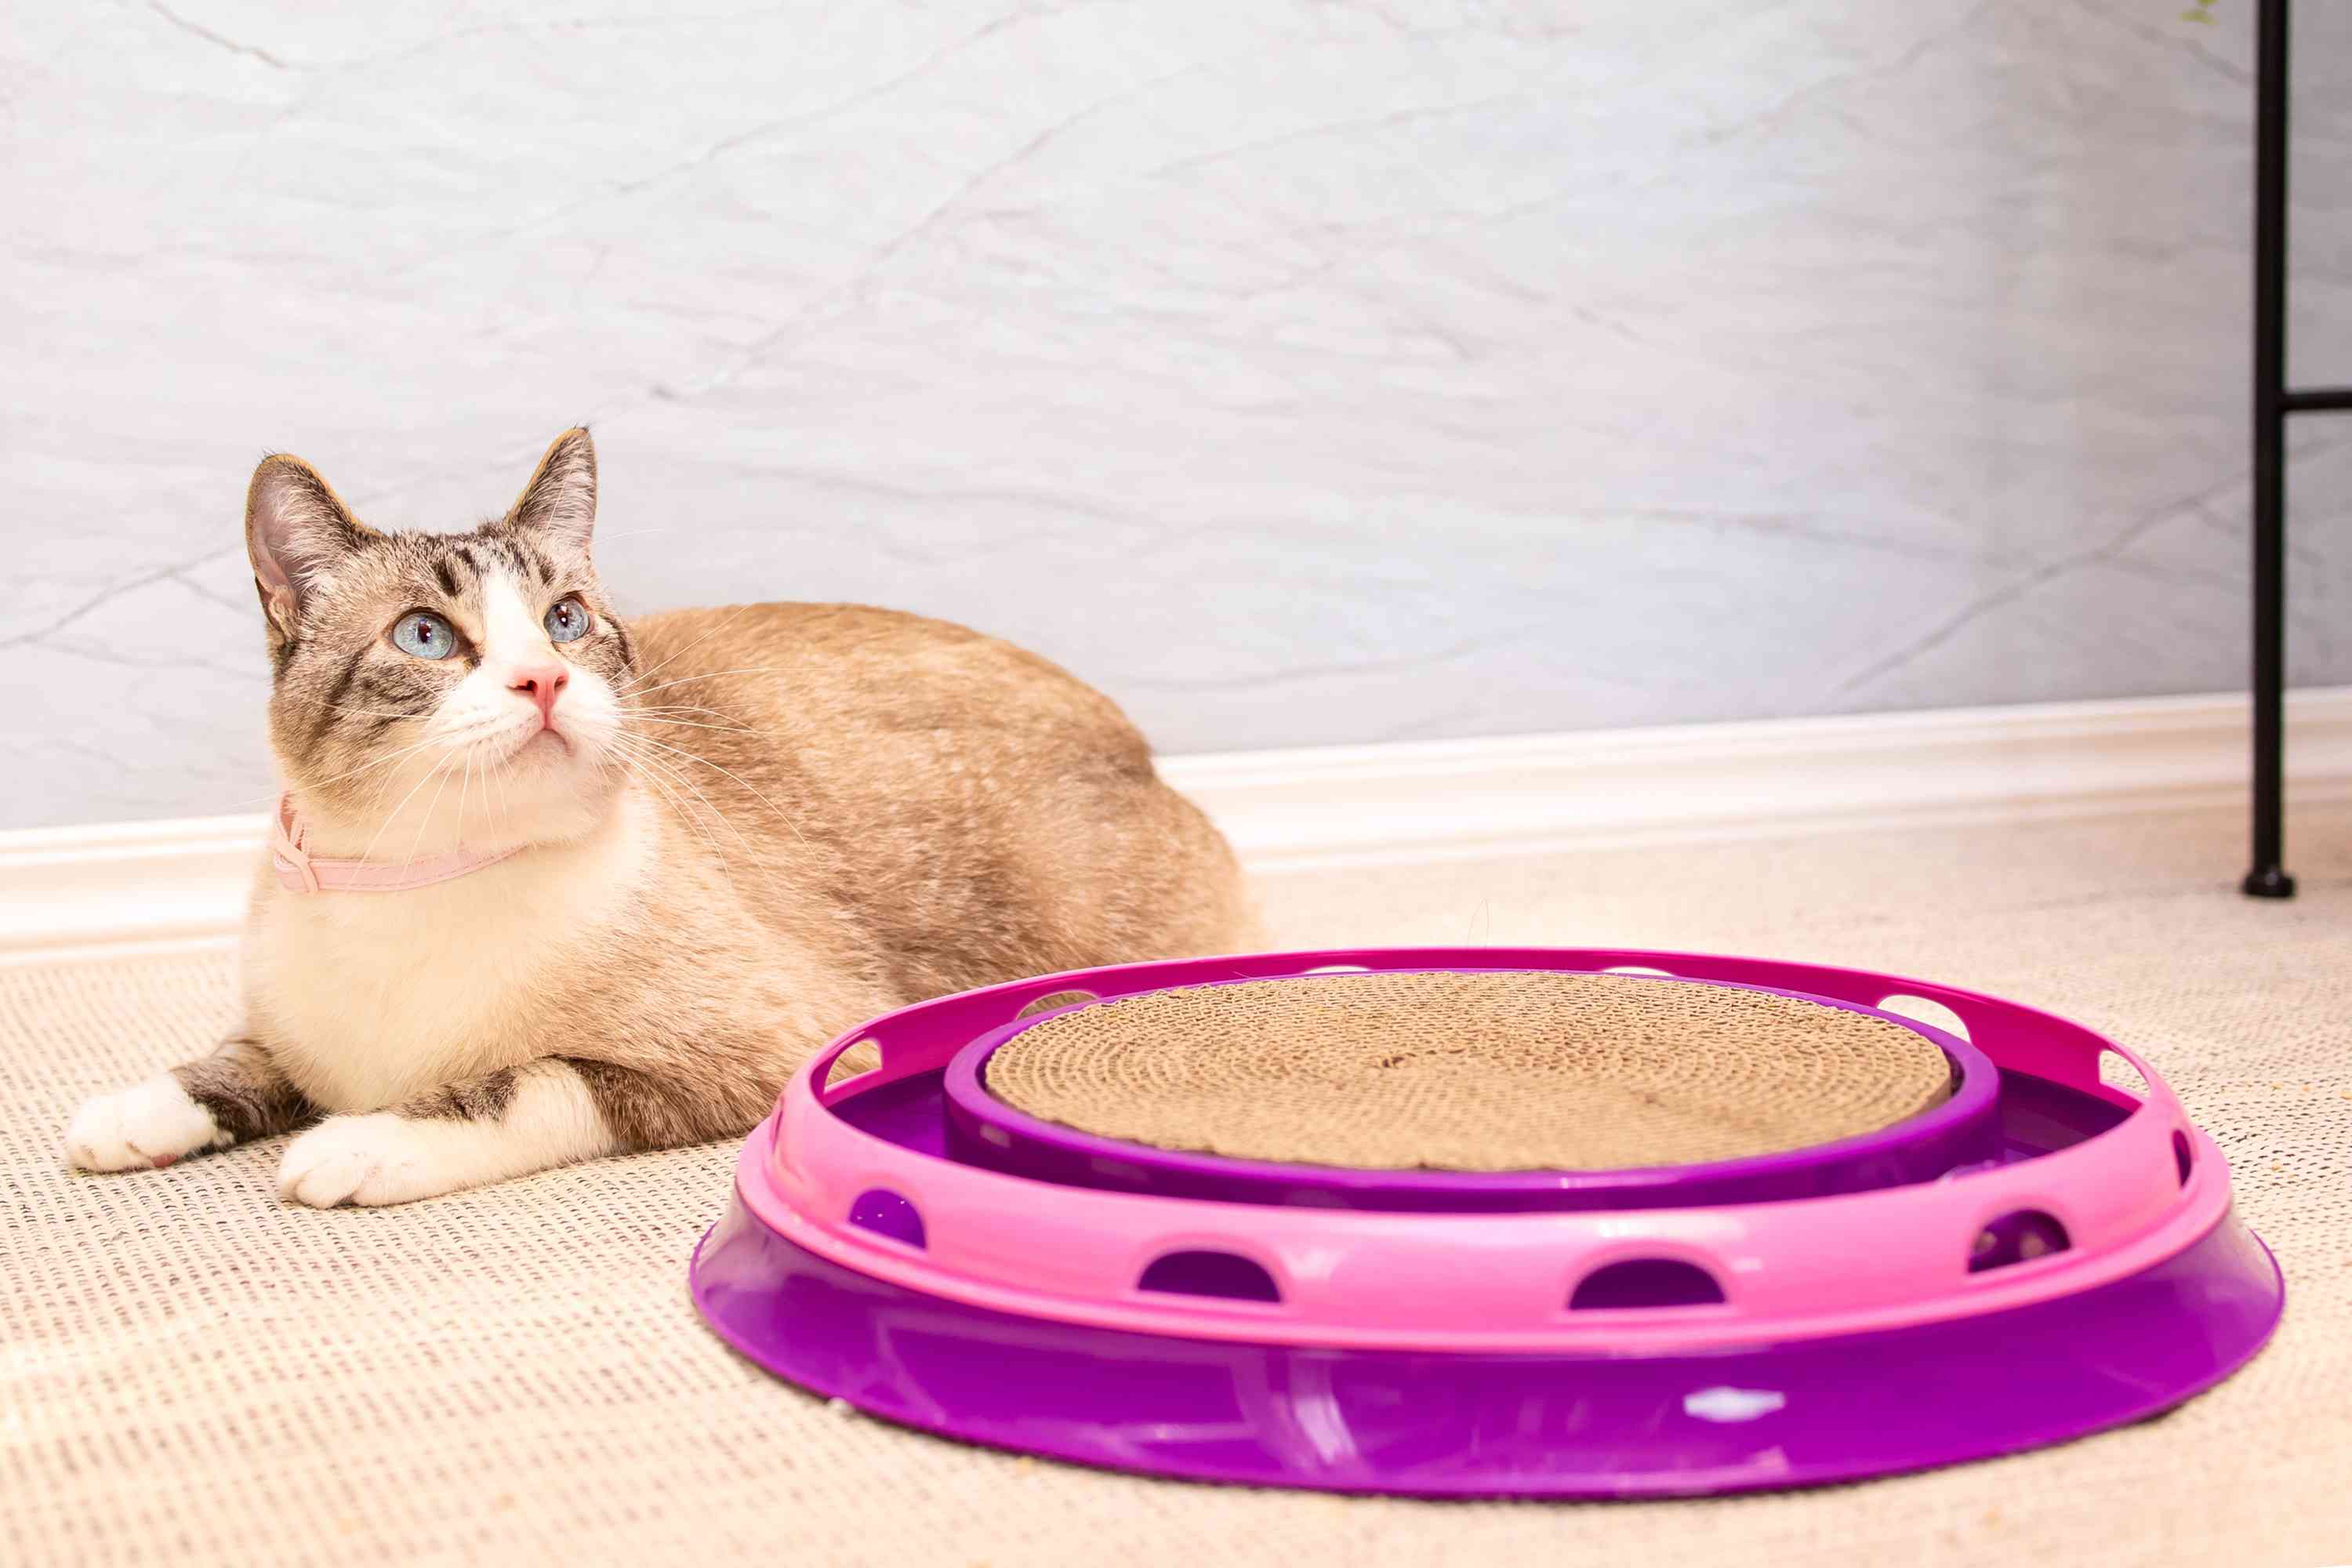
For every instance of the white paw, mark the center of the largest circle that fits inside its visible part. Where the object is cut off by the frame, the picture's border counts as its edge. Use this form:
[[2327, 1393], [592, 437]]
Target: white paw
[[149, 1124], [367, 1160]]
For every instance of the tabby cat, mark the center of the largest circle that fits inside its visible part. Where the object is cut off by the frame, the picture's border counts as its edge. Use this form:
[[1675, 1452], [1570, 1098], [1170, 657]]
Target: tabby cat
[[549, 884]]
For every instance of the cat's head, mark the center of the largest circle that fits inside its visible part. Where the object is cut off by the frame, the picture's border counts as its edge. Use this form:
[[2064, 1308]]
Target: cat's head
[[435, 689]]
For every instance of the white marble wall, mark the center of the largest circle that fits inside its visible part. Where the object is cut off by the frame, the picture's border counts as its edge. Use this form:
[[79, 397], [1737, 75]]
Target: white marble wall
[[1301, 370]]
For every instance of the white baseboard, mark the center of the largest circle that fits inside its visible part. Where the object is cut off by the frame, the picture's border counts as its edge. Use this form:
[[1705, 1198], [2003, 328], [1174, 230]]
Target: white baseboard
[[67, 890], [1530, 794]]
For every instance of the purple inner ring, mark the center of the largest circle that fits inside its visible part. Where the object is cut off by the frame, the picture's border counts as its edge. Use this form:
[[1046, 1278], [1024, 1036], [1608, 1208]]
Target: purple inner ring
[[982, 1130]]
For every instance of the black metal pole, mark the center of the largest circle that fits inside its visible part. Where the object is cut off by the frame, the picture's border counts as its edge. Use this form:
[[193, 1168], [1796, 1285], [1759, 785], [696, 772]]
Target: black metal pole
[[2268, 879]]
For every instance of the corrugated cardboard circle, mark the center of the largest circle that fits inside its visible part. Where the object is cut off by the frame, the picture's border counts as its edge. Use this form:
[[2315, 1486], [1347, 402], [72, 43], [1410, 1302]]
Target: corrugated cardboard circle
[[1497, 1071]]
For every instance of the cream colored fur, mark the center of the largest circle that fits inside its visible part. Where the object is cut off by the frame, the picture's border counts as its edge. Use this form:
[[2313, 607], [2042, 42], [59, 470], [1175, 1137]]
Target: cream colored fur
[[385, 1158], [736, 833]]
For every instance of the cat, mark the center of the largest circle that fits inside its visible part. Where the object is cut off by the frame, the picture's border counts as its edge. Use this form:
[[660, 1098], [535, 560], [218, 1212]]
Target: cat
[[549, 884]]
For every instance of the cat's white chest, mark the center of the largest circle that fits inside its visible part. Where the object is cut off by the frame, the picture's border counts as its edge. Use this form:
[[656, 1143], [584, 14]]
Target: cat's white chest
[[371, 998]]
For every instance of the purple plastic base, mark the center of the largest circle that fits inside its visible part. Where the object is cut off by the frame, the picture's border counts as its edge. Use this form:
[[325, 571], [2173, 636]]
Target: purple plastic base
[[1965, 1129], [1791, 1414], [1749, 1415]]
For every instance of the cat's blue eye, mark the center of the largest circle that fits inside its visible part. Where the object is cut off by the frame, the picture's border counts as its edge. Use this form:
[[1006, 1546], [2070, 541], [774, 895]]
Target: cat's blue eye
[[567, 619], [423, 633]]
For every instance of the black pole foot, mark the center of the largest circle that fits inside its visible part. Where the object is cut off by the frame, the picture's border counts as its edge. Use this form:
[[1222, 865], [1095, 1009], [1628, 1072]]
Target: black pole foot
[[2268, 882]]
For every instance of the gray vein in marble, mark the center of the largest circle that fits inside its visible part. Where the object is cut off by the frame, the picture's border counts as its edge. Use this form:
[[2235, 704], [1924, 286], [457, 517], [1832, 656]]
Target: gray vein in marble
[[250, 51], [241, 605], [2172, 41], [1779, 111], [108, 594], [1325, 130], [2106, 552], [782, 335], [244, 670], [750, 136], [1295, 675]]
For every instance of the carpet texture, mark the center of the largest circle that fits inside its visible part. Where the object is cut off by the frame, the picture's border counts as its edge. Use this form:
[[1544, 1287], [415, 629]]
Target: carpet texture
[[192, 1372]]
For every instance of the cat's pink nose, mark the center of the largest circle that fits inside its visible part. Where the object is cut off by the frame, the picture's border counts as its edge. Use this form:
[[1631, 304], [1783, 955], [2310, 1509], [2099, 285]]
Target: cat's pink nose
[[542, 687]]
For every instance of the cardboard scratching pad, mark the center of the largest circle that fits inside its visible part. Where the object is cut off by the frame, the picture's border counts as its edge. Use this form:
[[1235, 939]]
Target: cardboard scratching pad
[[1455, 1071]]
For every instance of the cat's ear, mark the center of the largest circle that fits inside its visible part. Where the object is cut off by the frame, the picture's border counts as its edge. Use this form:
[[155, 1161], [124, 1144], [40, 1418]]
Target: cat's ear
[[561, 499], [297, 532]]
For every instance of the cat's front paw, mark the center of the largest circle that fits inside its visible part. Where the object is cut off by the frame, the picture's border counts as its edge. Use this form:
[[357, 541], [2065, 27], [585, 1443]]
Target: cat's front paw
[[366, 1160], [148, 1125]]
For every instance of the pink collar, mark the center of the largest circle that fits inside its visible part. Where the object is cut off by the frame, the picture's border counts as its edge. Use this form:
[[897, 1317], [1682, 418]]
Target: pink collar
[[299, 871]]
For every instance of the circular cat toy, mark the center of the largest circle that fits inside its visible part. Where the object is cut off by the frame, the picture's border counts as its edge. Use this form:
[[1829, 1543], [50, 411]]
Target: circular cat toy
[[1486, 1222]]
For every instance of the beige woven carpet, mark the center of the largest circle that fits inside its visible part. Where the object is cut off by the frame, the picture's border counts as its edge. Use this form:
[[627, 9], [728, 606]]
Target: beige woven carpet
[[192, 1373]]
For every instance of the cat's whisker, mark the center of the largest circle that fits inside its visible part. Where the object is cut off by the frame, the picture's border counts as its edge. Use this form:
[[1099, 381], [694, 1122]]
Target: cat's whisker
[[674, 708], [385, 760], [657, 770], [721, 624], [347, 708], [392, 776], [440, 778], [654, 775], [465, 780], [670, 771], [654, 768], [424, 818], [458, 737], [782, 815], [640, 710], [465, 787], [654, 772], [632, 692], [695, 724], [393, 815], [505, 807]]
